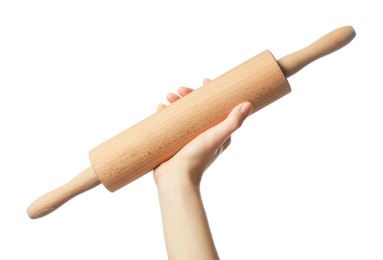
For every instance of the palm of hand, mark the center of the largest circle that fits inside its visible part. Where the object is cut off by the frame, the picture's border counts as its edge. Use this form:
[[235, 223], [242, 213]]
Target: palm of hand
[[189, 164]]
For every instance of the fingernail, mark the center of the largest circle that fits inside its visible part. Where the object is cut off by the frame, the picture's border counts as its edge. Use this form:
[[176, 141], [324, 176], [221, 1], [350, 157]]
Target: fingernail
[[246, 108], [205, 81]]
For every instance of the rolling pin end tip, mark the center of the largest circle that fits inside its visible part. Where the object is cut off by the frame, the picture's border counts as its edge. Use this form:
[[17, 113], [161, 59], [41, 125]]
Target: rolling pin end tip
[[327, 44], [35, 211], [54, 199], [350, 31]]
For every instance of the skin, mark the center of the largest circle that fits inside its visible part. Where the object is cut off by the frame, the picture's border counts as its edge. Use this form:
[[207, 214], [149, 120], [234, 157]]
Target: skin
[[186, 228]]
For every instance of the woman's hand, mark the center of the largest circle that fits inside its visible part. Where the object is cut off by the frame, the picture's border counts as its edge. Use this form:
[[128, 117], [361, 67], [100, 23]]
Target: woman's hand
[[189, 164], [186, 228]]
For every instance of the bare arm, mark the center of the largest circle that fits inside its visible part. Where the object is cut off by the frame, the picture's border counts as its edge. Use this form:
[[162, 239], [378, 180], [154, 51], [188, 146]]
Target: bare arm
[[186, 228], [185, 224]]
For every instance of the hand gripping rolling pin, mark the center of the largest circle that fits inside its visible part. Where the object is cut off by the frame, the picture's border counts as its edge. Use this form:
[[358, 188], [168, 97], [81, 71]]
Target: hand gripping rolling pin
[[139, 149]]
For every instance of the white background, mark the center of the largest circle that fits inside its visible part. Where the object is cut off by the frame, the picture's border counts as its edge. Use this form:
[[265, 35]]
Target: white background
[[301, 180]]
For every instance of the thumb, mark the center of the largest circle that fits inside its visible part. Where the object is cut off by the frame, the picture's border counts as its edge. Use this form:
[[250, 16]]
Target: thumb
[[221, 132], [235, 119]]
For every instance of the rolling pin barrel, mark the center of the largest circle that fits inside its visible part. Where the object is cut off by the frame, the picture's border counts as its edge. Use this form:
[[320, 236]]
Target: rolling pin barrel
[[145, 145], [139, 149]]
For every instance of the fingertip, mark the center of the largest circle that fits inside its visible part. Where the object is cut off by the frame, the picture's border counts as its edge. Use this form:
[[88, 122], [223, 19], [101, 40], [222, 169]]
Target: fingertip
[[238, 115], [160, 107], [205, 81], [183, 91], [246, 108], [171, 97]]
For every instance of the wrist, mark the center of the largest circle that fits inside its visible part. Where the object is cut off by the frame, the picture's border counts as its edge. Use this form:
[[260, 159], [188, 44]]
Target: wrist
[[177, 182]]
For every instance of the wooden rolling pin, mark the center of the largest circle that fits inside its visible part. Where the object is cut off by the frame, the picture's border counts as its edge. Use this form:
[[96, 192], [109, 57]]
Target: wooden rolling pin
[[139, 149]]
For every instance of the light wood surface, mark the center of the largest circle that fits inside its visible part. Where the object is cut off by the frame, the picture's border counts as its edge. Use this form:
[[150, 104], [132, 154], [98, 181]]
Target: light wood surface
[[54, 199], [139, 149], [327, 44], [145, 145]]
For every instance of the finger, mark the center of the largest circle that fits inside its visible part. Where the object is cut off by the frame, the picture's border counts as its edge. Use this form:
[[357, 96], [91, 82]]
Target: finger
[[160, 107], [219, 133], [183, 91], [235, 119], [171, 97], [224, 146], [205, 81]]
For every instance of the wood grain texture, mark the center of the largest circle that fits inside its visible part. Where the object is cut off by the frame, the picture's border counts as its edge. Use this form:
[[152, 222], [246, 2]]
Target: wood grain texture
[[141, 148], [325, 45], [54, 199]]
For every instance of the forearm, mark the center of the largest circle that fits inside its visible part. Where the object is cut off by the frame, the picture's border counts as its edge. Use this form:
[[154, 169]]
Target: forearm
[[186, 228]]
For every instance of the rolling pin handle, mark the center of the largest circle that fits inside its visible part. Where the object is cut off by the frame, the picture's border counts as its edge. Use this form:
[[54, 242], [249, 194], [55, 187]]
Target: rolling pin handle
[[327, 44], [54, 199], [239, 79]]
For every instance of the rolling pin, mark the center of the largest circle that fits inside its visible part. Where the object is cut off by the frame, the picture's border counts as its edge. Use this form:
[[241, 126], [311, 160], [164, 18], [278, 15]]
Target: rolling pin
[[142, 147]]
